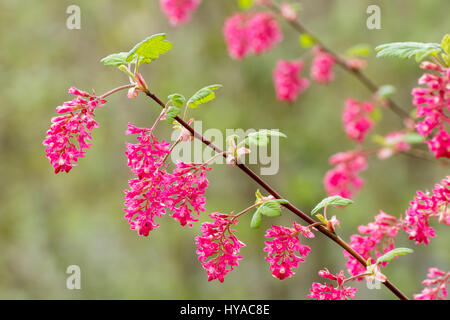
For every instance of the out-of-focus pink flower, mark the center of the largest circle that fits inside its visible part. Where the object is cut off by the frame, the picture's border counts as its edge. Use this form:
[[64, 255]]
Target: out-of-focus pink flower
[[356, 119], [394, 143], [288, 81], [433, 105], [356, 63], [373, 240], [328, 291], [179, 11], [284, 251], [288, 12], [75, 127], [436, 285], [322, 66], [343, 180], [425, 206], [218, 244], [247, 33]]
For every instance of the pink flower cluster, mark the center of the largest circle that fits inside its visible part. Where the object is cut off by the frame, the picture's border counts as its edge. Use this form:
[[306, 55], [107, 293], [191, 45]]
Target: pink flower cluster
[[394, 143], [433, 103], [179, 11], [247, 34], [283, 249], [67, 138], [154, 190], [328, 291], [218, 244], [343, 180], [288, 81], [322, 66], [356, 119], [423, 207], [436, 285], [379, 239]]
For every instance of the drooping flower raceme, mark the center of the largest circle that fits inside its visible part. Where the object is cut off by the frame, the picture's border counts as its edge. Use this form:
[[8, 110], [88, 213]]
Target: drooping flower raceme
[[436, 285], [424, 206], [218, 247], [328, 291], [67, 139], [322, 66], [288, 81], [374, 240], [356, 119], [247, 34], [285, 251], [179, 11], [433, 105], [343, 180]]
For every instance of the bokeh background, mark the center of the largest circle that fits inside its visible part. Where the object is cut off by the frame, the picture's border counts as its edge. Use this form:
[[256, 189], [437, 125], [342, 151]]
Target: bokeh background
[[48, 221]]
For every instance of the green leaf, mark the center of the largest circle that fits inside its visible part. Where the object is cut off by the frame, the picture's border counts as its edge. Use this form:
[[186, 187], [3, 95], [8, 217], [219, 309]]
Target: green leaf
[[393, 253], [271, 208], [406, 50], [245, 4], [321, 218], [413, 137], [261, 137], [203, 95], [149, 49], [171, 113], [445, 43], [359, 50], [177, 99], [256, 220], [115, 59], [386, 91], [306, 40], [332, 201], [376, 114]]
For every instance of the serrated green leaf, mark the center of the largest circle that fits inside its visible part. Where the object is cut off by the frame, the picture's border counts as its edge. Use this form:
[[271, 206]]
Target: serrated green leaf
[[177, 99], [171, 113], [255, 223], [245, 4], [271, 208], [445, 43], [406, 50], [149, 49], [413, 138], [394, 253], [334, 201], [359, 50], [203, 95], [386, 91], [306, 40], [115, 59], [261, 137]]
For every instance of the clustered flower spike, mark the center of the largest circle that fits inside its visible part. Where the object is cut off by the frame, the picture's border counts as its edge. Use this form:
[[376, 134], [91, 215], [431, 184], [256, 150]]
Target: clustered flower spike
[[328, 291], [288, 81], [284, 251], [179, 11], [251, 33], [436, 285], [67, 139], [433, 105], [218, 248], [322, 66], [375, 238], [425, 206], [393, 143], [343, 180], [356, 119]]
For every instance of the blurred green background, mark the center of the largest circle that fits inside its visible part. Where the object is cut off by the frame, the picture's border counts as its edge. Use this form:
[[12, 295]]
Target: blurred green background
[[48, 221]]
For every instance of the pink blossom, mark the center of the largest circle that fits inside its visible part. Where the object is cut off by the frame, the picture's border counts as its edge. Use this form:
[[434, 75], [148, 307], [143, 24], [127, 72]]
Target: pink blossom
[[356, 119], [288, 11], [247, 34], [218, 244], [328, 291], [425, 206], [436, 285], [285, 251], [67, 138], [288, 81], [179, 11], [433, 102], [373, 240], [322, 66], [394, 143], [343, 179]]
